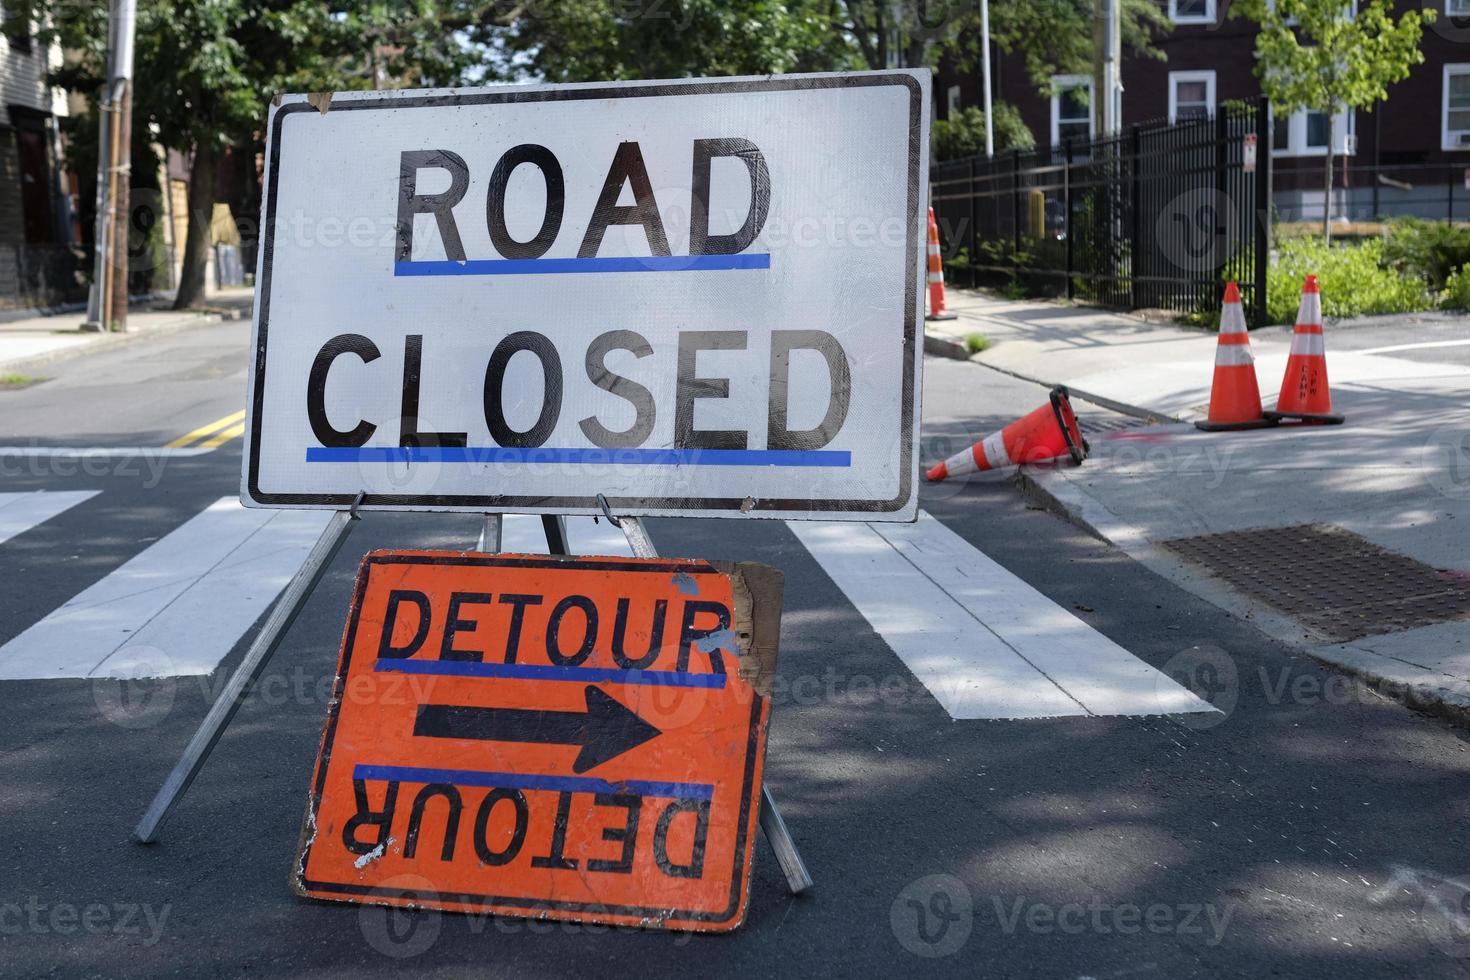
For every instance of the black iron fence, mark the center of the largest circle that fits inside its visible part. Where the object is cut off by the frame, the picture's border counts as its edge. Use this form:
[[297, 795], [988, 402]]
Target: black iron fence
[[1158, 217], [1368, 193]]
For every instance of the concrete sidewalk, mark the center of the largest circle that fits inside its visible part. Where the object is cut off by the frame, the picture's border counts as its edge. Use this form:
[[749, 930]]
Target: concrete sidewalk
[[31, 343], [1397, 474]]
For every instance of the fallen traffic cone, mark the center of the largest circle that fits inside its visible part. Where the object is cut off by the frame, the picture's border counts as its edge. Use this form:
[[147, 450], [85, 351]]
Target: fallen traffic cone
[[936, 275], [1046, 433], [1305, 395], [1235, 397]]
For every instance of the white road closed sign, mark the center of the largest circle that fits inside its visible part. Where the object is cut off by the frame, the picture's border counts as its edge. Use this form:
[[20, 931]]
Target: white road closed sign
[[696, 298]]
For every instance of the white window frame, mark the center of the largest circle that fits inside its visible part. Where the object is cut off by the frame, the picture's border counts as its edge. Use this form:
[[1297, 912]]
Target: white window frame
[[1448, 138], [951, 101], [1345, 129], [1457, 8], [1060, 83], [1207, 18], [1208, 77]]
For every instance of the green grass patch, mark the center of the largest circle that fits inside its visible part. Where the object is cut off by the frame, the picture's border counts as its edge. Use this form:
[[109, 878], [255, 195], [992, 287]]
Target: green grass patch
[[13, 381], [976, 342]]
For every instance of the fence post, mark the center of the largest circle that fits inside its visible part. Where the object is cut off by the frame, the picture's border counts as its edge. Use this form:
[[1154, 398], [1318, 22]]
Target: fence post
[[1135, 258], [1067, 209], [1449, 195], [1262, 244], [1016, 210], [973, 250]]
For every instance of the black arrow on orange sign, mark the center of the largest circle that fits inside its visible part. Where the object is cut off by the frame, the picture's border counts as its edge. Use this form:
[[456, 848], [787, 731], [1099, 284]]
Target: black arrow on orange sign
[[605, 730]]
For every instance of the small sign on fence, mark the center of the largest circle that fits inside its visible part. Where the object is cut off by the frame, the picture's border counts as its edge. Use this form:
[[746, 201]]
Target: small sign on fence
[[1248, 154]]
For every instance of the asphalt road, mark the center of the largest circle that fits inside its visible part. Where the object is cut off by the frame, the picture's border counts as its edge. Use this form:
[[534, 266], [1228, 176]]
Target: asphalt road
[[1311, 828]]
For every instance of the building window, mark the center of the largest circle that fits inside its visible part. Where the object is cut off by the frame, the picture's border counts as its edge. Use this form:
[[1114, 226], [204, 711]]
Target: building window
[[1191, 95], [1455, 122], [1194, 11], [1457, 8], [1071, 108], [952, 101], [16, 27], [1304, 133]]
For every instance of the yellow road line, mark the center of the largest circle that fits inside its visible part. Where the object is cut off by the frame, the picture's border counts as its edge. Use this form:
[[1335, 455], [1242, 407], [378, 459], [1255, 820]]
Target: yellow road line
[[233, 432], [206, 430]]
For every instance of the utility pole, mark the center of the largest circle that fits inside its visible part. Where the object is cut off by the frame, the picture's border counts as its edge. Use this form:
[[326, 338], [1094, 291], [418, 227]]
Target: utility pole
[[985, 68], [107, 302], [1108, 69]]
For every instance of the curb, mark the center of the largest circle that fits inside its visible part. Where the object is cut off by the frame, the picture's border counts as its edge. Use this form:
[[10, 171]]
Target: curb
[[1050, 491], [942, 345], [107, 340]]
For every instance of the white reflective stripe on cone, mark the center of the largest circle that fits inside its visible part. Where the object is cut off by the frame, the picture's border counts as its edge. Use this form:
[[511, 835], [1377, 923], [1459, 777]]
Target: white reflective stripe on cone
[[961, 463], [1311, 309], [1308, 345], [1232, 319], [933, 248], [994, 448], [936, 277], [1233, 355]]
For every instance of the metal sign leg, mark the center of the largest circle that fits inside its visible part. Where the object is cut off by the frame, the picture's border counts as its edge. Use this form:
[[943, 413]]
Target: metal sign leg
[[490, 535], [283, 614], [798, 879]]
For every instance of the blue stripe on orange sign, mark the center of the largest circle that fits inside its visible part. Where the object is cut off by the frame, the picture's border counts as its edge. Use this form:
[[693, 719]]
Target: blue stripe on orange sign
[[522, 780]]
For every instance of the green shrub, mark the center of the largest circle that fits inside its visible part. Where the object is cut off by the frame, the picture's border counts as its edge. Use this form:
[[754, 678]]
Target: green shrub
[[1352, 276], [1457, 289], [1430, 250], [962, 135]]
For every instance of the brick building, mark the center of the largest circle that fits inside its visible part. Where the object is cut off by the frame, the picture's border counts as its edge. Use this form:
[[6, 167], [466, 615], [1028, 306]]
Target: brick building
[[1411, 154], [39, 264]]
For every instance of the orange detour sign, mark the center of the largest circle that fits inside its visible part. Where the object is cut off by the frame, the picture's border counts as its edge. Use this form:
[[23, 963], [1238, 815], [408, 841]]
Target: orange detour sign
[[577, 738]]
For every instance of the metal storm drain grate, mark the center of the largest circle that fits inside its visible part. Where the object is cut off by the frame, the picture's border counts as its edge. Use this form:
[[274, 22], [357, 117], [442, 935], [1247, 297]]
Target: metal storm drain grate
[[1330, 579]]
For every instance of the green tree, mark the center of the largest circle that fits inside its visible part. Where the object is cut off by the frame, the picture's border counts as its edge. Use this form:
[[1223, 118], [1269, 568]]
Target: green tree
[[206, 70], [962, 135], [595, 40], [1322, 56]]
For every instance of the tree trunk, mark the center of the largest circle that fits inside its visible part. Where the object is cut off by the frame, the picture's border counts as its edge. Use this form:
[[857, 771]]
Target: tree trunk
[[1327, 184], [201, 218]]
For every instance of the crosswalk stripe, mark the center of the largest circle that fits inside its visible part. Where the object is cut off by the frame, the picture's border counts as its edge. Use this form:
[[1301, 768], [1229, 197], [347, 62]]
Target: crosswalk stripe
[[19, 512], [176, 608], [207, 430], [984, 643], [523, 534]]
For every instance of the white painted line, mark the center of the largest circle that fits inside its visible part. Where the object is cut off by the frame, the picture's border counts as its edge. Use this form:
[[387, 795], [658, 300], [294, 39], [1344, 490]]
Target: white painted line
[[970, 672], [523, 534], [986, 644], [176, 608], [99, 452], [1426, 345], [19, 512]]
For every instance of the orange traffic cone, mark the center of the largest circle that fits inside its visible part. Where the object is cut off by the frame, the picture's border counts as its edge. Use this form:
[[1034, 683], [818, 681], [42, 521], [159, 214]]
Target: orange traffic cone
[[1046, 433], [1305, 395], [936, 275], [1235, 398]]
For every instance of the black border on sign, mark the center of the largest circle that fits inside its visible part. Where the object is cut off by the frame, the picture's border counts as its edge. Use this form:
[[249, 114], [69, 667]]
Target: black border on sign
[[324, 756], [493, 503]]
